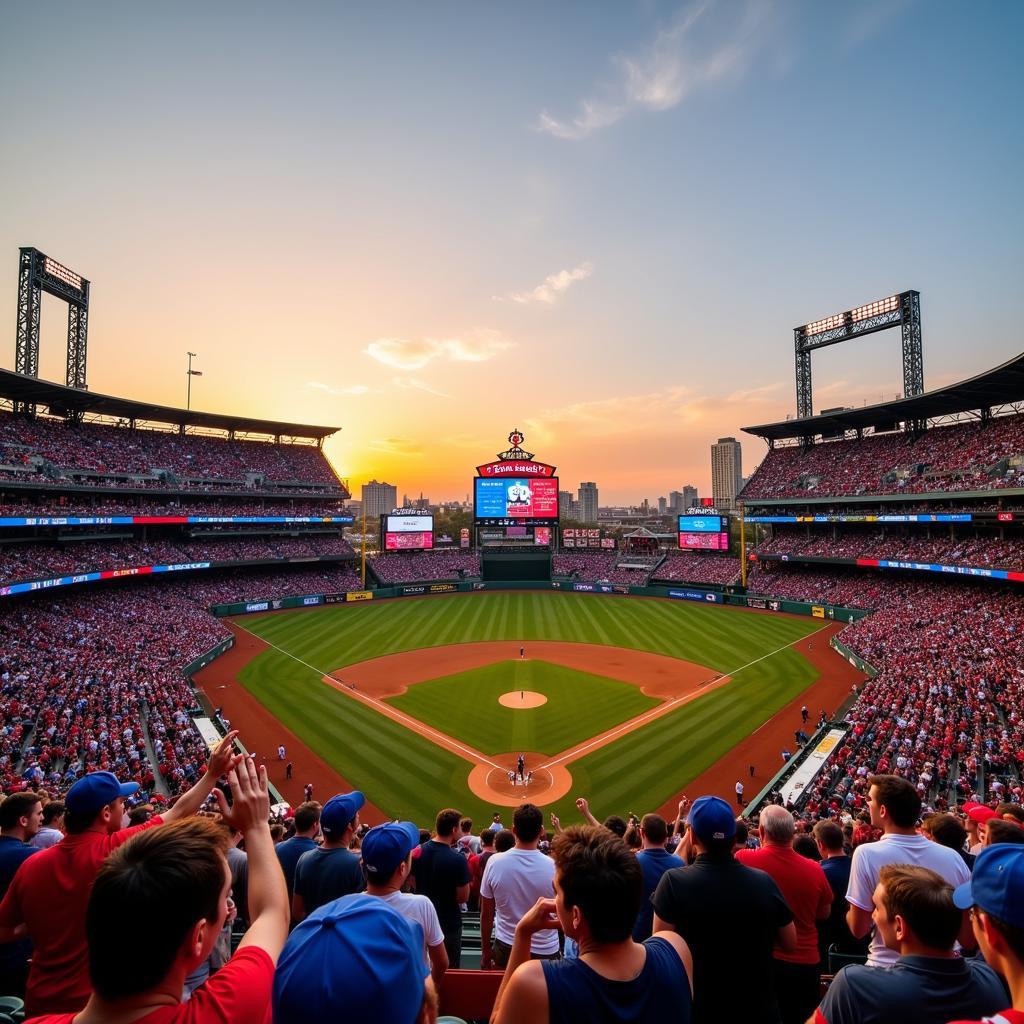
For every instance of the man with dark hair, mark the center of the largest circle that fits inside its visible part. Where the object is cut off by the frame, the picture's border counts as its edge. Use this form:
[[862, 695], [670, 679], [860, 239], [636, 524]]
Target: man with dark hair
[[598, 888], [995, 898], [654, 861], [1000, 831], [835, 862], [894, 807], [176, 879], [52, 831], [947, 830], [332, 870], [442, 875], [808, 895], [512, 883], [915, 915], [469, 844], [21, 816], [718, 904], [50, 892], [477, 863], [307, 828]]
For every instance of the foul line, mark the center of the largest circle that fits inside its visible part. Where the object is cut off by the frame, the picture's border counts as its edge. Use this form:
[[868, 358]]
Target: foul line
[[634, 723], [427, 731]]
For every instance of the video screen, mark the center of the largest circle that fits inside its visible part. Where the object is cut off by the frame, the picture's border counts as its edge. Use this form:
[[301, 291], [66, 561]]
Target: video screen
[[508, 502], [407, 533], [542, 536], [703, 524], [704, 541]]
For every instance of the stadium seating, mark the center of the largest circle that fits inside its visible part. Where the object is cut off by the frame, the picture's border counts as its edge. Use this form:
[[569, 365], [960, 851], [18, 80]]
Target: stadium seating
[[395, 567], [964, 457], [698, 567]]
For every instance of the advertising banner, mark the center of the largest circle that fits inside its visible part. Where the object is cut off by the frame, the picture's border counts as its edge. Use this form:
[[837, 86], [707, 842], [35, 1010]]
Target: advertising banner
[[464, 538], [542, 536], [756, 602], [258, 606], [710, 596], [817, 611], [359, 595], [408, 541]]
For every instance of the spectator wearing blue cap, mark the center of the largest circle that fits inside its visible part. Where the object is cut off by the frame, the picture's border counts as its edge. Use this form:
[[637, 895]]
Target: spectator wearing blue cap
[[331, 871], [48, 896], [915, 915], [387, 861], [717, 904], [995, 898], [354, 959], [158, 906], [598, 889]]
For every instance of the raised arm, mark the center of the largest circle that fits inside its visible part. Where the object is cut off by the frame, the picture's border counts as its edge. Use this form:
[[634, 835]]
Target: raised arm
[[222, 760]]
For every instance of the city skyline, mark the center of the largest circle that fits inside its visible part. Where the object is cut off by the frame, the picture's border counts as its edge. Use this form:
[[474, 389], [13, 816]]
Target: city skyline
[[428, 226]]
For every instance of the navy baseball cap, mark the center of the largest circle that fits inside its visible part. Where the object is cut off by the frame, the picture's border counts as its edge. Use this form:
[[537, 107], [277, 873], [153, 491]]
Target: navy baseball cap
[[997, 884], [352, 958], [339, 811], [94, 791], [386, 846], [711, 819]]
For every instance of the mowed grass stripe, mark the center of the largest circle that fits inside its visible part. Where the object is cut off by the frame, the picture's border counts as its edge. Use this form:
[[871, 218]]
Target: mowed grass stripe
[[580, 705]]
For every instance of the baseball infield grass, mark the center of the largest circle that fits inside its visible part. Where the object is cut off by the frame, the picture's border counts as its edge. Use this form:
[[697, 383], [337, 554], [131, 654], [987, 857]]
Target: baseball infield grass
[[580, 705], [408, 776]]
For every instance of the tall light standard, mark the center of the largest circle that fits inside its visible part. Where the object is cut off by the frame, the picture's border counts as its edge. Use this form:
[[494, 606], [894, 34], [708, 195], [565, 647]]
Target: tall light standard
[[191, 373]]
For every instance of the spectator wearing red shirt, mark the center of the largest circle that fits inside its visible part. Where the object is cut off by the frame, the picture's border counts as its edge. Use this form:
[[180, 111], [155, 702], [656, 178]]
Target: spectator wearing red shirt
[[478, 862], [48, 897], [809, 896], [176, 878]]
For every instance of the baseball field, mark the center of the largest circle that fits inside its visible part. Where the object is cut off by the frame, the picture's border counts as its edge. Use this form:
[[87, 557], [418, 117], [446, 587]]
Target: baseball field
[[427, 703]]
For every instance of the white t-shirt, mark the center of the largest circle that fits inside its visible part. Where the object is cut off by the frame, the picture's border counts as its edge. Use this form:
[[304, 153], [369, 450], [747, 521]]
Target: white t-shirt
[[421, 910], [515, 880], [870, 858]]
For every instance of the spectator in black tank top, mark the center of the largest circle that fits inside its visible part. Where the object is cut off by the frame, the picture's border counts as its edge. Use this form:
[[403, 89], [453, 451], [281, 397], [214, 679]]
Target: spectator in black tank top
[[598, 889]]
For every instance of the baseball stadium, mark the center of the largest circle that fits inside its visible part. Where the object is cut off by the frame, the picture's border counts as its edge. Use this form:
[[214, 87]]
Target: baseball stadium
[[180, 587]]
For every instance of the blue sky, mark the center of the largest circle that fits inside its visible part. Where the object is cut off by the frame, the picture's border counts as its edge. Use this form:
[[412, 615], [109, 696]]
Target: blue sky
[[428, 224]]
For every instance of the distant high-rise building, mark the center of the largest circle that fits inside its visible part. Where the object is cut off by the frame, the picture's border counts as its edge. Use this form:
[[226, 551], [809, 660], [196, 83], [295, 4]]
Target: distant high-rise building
[[675, 501], [689, 496], [378, 499], [588, 502], [662, 506], [574, 511], [565, 500], [726, 472]]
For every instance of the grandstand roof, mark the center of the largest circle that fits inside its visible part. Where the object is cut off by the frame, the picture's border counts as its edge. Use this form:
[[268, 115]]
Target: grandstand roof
[[61, 400], [1003, 385]]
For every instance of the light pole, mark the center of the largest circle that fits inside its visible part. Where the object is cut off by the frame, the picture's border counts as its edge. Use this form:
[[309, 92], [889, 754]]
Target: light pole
[[191, 373]]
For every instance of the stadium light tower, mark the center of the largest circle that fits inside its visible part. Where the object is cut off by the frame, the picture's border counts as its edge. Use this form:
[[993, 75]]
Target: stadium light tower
[[191, 373]]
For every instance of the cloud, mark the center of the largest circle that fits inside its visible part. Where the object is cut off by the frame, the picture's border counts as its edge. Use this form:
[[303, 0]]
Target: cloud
[[415, 353], [396, 446], [354, 389], [702, 45], [554, 284], [412, 384]]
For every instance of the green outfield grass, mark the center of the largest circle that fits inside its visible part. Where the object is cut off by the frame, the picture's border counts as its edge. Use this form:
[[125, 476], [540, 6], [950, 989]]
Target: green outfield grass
[[580, 705], [407, 775]]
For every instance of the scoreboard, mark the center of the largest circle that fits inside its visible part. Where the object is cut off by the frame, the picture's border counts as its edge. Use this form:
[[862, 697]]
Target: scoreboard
[[703, 533], [515, 501], [407, 532]]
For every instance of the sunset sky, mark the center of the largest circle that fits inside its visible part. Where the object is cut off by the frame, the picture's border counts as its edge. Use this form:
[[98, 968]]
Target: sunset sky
[[429, 223]]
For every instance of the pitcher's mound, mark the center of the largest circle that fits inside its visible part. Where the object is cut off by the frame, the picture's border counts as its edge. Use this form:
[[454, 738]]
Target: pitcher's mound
[[522, 699]]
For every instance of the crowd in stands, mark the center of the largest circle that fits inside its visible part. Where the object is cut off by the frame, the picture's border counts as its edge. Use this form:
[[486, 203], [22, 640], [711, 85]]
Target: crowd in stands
[[35, 561], [946, 710], [600, 566], [646, 920], [103, 449], [964, 457], [698, 567], [393, 567], [35, 504], [981, 550]]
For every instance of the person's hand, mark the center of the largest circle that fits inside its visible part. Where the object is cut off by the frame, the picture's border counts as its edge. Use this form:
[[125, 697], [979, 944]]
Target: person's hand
[[556, 823], [539, 917], [250, 797], [224, 758], [486, 958], [582, 804], [684, 806]]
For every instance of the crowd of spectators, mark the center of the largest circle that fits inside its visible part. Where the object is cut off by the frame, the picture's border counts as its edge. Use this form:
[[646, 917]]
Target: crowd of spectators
[[393, 567], [946, 710], [36, 504], [980, 550], [698, 567], [964, 457], [36, 561], [602, 567]]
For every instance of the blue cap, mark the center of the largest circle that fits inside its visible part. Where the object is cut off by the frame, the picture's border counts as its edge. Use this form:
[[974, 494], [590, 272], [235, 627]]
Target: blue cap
[[352, 958], [387, 846], [91, 793], [711, 819], [339, 811], [997, 884]]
